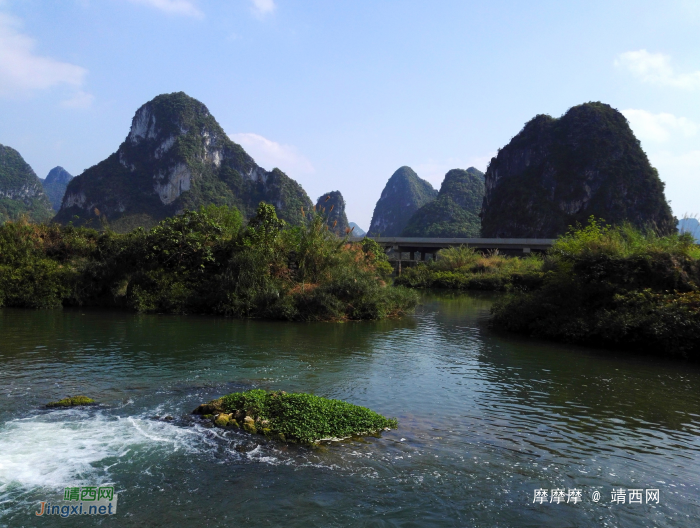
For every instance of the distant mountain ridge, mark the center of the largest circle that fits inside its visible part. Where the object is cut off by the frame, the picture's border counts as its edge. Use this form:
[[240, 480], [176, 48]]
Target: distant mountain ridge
[[455, 211], [55, 185], [21, 192], [402, 196], [356, 230], [690, 225], [176, 157], [557, 172]]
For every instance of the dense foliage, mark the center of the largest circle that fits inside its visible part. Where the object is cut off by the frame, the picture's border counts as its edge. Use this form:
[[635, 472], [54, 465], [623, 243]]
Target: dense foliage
[[201, 262], [402, 196], [176, 157], [463, 268], [294, 417], [557, 172], [21, 192], [615, 286], [455, 211]]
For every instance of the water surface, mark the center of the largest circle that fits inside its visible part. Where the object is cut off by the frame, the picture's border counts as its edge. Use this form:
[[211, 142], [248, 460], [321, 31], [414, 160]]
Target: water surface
[[484, 420]]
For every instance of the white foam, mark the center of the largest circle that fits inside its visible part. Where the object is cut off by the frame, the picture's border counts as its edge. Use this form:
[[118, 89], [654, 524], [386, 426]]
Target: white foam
[[73, 447]]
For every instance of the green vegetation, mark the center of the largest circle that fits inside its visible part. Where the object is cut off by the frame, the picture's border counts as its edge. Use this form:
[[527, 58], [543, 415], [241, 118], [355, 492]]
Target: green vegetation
[[463, 268], [455, 211], [202, 262], [294, 417], [21, 192], [615, 287], [71, 401], [557, 172], [402, 196]]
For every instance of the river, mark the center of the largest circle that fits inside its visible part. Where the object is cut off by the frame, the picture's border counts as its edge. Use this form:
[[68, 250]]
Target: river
[[484, 421]]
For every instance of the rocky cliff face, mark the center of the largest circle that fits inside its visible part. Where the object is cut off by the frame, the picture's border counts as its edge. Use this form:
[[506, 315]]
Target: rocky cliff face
[[455, 211], [332, 206], [402, 196], [557, 172], [21, 192], [176, 157], [55, 185]]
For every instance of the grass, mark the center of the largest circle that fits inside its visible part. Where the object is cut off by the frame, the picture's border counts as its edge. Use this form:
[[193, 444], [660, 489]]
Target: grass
[[294, 417], [71, 401]]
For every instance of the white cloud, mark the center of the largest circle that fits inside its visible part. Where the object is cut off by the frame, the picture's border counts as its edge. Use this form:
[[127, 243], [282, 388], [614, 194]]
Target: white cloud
[[658, 127], [655, 68], [173, 7], [79, 100], [270, 154], [263, 7], [22, 71]]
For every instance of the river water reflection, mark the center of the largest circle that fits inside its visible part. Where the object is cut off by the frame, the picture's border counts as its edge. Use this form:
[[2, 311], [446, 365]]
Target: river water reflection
[[484, 420]]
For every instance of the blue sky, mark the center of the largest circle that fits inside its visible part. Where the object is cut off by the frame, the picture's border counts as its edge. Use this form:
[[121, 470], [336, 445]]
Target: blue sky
[[341, 94]]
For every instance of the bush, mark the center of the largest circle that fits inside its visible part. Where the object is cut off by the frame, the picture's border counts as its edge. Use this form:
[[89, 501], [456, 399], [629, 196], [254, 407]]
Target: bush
[[201, 262], [463, 268], [617, 287]]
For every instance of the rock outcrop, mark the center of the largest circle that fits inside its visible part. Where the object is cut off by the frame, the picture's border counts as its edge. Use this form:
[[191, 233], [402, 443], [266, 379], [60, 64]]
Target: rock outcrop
[[21, 192], [557, 172], [55, 185], [176, 157], [402, 196], [332, 206], [455, 211]]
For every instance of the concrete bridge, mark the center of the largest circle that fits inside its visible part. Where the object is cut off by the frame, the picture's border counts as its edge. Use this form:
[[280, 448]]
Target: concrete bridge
[[430, 246]]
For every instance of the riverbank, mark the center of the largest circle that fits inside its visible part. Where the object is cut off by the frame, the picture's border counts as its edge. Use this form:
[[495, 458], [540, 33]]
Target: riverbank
[[617, 288], [463, 268], [204, 262]]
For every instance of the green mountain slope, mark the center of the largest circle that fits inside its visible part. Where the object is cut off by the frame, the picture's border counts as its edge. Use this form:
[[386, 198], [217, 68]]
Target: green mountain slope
[[332, 206], [455, 211], [21, 192], [402, 196], [557, 172], [55, 185], [176, 157]]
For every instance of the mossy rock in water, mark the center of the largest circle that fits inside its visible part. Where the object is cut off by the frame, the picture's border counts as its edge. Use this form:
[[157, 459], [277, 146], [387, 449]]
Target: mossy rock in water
[[295, 417], [71, 401]]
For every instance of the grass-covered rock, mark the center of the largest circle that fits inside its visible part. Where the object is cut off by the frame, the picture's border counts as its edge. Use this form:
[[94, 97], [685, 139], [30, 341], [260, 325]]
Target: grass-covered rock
[[293, 417], [72, 401]]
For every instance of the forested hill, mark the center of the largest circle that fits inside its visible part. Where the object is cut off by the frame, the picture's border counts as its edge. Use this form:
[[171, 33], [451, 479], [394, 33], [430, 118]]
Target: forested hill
[[21, 192], [402, 196], [176, 157], [557, 172], [455, 211]]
